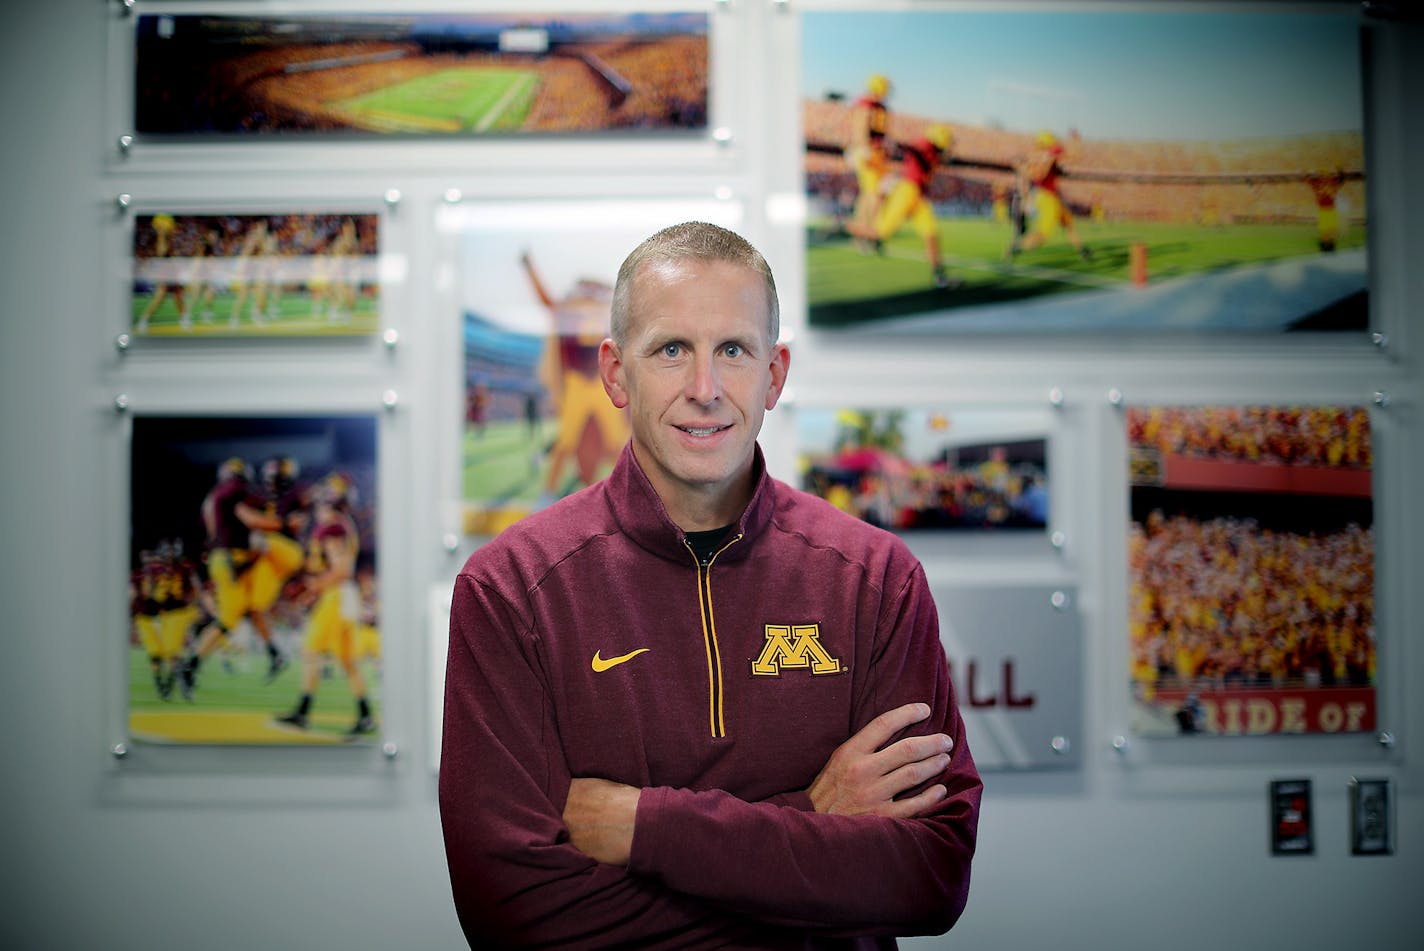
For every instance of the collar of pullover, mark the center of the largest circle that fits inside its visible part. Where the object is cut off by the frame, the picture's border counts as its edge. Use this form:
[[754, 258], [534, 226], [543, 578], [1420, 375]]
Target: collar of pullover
[[640, 513]]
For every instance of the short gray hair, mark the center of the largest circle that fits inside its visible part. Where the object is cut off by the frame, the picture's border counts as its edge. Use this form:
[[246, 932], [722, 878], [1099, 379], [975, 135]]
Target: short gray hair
[[690, 241]]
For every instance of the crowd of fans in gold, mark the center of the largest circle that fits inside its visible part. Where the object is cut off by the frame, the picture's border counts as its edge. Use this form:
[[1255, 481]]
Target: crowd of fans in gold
[[1290, 435], [1227, 601]]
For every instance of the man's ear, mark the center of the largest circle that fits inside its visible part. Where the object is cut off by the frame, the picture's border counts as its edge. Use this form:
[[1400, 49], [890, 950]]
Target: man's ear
[[610, 371], [780, 367]]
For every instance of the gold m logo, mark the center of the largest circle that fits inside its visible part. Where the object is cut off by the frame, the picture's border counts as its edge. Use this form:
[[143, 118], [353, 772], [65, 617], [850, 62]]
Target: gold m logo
[[794, 646]]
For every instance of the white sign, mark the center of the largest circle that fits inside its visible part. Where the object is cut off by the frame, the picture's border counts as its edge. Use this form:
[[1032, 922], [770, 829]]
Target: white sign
[[1015, 656]]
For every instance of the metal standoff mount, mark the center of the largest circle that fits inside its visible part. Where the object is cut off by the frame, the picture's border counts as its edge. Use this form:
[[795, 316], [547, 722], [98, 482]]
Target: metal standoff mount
[[1060, 745], [125, 143], [1055, 396], [390, 337], [1115, 396], [1385, 738], [1059, 600], [390, 750], [393, 196], [119, 750], [1120, 744], [121, 403], [390, 399]]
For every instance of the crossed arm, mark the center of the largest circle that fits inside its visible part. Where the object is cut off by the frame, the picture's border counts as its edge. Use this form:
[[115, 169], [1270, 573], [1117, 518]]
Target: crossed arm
[[540, 857], [862, 777]]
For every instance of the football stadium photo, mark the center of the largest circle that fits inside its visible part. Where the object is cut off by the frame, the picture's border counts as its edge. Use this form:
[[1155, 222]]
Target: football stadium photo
[[1100, 189], [423, 74]]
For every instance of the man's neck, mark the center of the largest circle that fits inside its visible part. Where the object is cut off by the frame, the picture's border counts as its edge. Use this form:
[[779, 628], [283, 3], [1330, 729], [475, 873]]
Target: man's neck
[[706, 514]]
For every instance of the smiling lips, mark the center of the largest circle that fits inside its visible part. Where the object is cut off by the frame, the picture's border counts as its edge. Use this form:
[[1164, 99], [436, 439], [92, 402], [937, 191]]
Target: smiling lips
[[702, 430]]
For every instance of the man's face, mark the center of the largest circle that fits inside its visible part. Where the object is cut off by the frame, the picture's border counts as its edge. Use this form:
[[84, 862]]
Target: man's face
[[697, 374]]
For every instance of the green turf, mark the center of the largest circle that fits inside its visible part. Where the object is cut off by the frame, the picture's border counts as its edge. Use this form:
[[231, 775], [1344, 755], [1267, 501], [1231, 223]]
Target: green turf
[[846, 286], [506, 464], [297, 315], [238, 690], [462, 99]]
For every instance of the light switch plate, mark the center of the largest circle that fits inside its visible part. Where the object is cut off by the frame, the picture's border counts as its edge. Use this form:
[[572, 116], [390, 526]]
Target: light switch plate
[[1371, 817]]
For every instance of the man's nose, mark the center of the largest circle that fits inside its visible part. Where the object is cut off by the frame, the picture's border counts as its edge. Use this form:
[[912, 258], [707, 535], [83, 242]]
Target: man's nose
[[705, 385]]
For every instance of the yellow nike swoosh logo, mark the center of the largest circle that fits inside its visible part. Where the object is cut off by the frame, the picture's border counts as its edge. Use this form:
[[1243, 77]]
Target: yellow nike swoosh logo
[[600, 665]]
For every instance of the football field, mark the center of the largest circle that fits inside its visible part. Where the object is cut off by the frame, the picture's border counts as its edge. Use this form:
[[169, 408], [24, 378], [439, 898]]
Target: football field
[[505, 470], [473, 99], [297, 313], [846, 286], [233, 704]]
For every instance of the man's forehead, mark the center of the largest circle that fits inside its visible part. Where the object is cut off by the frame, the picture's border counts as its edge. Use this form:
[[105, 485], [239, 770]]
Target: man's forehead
[[672, 270], [695, 277]]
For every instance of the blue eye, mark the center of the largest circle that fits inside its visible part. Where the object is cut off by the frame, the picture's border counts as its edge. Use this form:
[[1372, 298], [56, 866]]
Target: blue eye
[[671, 349], [733, 350]]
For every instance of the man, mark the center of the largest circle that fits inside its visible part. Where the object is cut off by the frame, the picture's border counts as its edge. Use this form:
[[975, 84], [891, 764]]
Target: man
[[164, 610], [690, 706], [1040, 173], [909, 199], [235, 516], [332, 589], [1323, 188], [590, 431], [866, 154], [164, 282], [279, 553]]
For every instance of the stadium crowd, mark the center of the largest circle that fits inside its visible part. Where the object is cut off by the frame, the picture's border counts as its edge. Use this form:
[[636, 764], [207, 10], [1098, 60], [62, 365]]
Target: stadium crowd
[[1226, 602], [1288, 435], [223, 235]]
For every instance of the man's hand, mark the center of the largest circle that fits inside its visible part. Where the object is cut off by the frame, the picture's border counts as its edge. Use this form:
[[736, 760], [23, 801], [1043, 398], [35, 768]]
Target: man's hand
[[862, 778], [599, 815]]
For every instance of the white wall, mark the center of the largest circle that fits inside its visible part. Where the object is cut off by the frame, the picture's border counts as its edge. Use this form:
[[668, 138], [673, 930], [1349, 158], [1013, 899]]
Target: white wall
[[1162, 846]]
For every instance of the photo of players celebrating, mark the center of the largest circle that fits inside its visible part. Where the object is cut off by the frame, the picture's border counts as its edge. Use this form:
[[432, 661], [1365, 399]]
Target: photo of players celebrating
[[1088, 170], [536, 292], [251, 275], [1251, 564], [916, 469], [253, 599], [424, 74]]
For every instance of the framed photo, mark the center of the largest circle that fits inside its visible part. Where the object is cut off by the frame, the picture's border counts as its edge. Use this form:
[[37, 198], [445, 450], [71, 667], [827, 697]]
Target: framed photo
[[1112, 171], [914, 469], [1251, 561], [1292, 831], [535, 284], [420, 74], [255, 274], [254, 606]]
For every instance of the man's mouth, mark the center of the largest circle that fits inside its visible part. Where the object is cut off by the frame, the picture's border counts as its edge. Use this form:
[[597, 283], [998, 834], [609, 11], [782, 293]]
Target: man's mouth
[[702, 430]]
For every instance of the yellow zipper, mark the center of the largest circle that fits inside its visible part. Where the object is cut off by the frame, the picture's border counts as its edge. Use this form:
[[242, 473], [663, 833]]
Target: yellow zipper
[[716, 719]]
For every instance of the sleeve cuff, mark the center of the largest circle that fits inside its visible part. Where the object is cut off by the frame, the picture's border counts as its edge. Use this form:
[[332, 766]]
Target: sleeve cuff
[[647, 826]]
